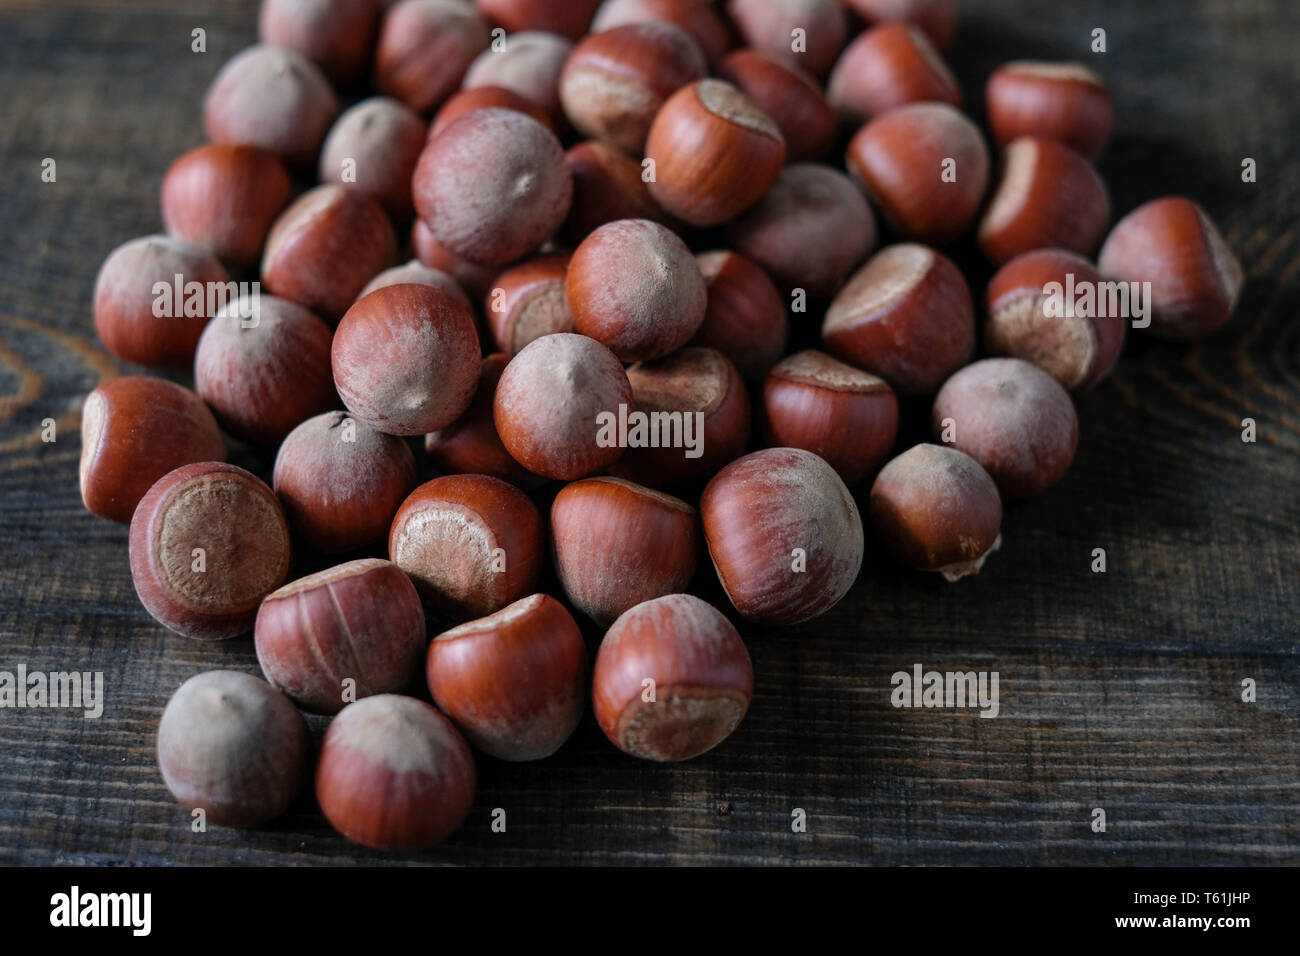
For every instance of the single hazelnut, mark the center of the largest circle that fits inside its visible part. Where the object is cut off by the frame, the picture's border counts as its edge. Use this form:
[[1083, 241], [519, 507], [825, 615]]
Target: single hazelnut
[[394, 774], [906, 316], [938, 510], [1014, 419], [529, 63], [374, 147], [615, 82], [550, 403], [325, 247], [485, 97], [208, 542], [1049, 197], [1173, 244], [784, 535], [340, 482], [769, 25], [696, 410], [406, 359], [618, 543], [607, 186], [337, 35], [696, 17], [152, 299], [846, 416], [809, 232], [745, 319], [417, 273], [527, 301], [568, 18], [339, 635], [514, 682], [715, 153], [634, 286], [223, 199], [1061, 101], [790, 96], [263, 366], [493, 185], [134, 430], [889, 66], [271, 97], [471, 543], [470, 445], [425, 47], [233, 746], [1033, 316], [925, 167], [672, 679]]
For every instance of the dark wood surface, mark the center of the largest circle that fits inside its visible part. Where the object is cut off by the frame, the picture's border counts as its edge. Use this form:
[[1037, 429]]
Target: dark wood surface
[[1119, 690]]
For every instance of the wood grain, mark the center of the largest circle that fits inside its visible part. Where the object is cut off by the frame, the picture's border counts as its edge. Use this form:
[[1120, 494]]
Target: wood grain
[[1119, 690]]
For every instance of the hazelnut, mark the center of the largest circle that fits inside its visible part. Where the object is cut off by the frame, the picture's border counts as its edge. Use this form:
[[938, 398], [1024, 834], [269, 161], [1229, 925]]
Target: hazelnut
[[374, 147], [234, 747], [784, 535], [484, 97], [263, 366], [937, 18], [1173, 244], [470, 445], [809, 232], [615, 82], [514, 682], [406, 359], [325, 247], [1061, 101], [223, 199], [425, 47], [889, 66], [475, 279], [700, 679], [1027, 321], [416, 272], [791, 97], [1014, 419], [550, 401], [618, 544], [394, 774], [340, 481], [745, 319], [336, 35], [271, 97], [493, 185], [340, 635], [527, 301], [208, 542], [846, 416], [1049, 196], [768, 26], [471, 543], [693, 385], [906, 316], [127, 299], [715, 153], [633, 286], [926, 168], [938, 510], [134, 430], [568, 18]]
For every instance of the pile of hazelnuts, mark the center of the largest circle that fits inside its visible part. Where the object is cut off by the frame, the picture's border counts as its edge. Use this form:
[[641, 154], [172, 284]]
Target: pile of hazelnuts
[[698, 221]]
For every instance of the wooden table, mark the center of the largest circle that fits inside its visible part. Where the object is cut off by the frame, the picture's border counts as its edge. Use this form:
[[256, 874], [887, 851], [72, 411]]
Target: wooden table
[[1119, 691]]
